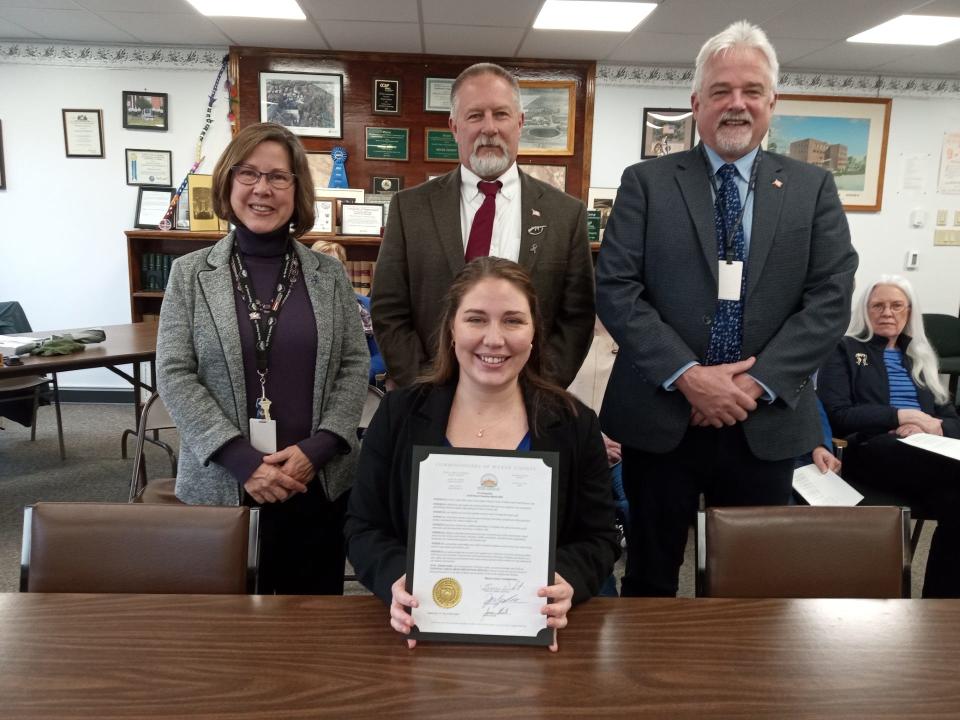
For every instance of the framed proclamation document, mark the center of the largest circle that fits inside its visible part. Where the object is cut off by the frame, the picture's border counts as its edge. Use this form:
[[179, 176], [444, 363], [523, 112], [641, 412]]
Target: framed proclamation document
[[482, 542]]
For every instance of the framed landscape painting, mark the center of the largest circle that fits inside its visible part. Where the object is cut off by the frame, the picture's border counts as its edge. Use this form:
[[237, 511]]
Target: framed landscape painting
[[308, 104], [845, 135]]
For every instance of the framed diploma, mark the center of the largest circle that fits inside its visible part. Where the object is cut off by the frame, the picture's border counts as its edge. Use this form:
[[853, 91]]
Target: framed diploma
[[83, 133], [325, 220], [482, 542], [361, 219], [386, 97], [436, 94], [152, 204], [149, 167]]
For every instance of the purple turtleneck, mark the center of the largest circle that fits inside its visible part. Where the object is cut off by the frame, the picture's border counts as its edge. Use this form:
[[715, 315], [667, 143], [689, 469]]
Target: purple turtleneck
[[292, 366]]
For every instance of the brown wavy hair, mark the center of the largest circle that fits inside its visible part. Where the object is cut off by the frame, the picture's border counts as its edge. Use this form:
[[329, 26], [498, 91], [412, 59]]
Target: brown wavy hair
[[538, 392], [240, 148]]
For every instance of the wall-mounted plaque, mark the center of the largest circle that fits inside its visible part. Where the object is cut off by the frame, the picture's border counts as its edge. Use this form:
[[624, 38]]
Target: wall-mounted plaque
[[387, 143], [386, 97], [439, 145]]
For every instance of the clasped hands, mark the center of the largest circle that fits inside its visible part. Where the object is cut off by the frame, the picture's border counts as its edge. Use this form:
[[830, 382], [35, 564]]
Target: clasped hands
[[917, 421], [561, 593], [720, 394], [280, 475]]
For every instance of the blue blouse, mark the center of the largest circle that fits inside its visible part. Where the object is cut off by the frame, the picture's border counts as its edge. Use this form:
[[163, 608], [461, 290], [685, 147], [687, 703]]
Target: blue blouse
[[903, 393]]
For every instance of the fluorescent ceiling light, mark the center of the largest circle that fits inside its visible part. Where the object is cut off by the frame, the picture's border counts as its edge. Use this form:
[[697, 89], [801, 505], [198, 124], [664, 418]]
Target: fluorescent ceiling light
[[276, 9], [912, 30], [592, 15]]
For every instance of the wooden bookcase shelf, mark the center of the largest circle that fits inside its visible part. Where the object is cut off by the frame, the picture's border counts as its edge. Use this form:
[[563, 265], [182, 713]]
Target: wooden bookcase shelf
[[178, 242]]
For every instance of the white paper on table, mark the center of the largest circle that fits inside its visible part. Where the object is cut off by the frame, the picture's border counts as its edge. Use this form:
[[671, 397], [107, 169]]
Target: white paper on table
[[824, 488], [948, 447], [484, 523]]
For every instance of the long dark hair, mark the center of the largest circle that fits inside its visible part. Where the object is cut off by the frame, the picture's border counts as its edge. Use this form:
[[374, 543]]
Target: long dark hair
[[539, 393]]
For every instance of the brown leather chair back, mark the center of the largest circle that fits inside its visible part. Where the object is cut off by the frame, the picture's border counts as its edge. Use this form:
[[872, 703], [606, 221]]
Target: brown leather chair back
[[804, 552], [139, 548]]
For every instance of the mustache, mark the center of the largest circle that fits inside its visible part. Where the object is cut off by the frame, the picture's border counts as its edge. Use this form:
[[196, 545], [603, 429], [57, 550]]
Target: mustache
[[490, 141], [738, 115]]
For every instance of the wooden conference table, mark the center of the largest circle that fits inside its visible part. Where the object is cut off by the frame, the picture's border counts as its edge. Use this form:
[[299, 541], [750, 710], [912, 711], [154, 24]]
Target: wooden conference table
[[168, 656], [125, 344]]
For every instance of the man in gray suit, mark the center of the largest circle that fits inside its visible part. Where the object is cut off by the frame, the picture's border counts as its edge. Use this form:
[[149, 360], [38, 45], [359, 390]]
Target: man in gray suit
[[434, 225], [725, 278]]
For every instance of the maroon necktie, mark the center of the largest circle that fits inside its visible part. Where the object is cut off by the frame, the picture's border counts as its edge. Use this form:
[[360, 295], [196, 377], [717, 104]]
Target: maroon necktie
[[482, 229]]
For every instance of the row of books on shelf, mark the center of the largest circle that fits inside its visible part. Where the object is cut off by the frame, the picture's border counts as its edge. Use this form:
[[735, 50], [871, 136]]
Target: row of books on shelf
[[360, 273], [155, 270]]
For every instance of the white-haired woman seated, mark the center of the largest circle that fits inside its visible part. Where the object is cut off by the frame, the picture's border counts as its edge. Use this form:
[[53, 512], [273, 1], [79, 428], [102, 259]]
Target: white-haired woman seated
[[882, 384]]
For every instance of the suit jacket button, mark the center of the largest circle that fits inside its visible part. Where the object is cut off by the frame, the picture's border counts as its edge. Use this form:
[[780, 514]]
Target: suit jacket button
[[707, 320]]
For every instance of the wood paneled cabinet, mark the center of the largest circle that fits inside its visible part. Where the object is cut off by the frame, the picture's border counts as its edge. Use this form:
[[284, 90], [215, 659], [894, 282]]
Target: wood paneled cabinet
[[144, 246]]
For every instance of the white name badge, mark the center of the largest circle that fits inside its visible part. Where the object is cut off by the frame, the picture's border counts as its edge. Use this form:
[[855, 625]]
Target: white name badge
[[730, 276], [263, 435]]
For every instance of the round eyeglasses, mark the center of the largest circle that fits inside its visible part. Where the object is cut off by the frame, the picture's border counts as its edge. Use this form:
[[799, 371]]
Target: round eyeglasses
[[278, 179]]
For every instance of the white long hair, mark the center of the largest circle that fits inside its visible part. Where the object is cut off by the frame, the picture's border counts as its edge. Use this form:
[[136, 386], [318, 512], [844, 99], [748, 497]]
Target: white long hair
[[925, 366]]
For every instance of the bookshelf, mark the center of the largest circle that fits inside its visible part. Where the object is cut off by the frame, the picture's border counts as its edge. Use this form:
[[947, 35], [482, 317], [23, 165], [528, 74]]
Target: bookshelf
[[146, 302]]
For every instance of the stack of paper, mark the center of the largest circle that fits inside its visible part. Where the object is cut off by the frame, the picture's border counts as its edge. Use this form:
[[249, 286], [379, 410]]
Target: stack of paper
[[948, 447]]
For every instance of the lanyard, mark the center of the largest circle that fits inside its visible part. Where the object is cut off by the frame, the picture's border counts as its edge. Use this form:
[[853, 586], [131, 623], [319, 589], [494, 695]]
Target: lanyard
[[729, 254], [263, 315]]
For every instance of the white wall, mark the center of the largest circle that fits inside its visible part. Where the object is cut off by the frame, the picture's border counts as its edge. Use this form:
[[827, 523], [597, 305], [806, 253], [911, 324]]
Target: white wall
[[882, 239], [62, 249]]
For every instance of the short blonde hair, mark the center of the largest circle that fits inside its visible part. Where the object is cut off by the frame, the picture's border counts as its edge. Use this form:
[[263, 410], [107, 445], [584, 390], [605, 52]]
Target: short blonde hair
[[328, 247]]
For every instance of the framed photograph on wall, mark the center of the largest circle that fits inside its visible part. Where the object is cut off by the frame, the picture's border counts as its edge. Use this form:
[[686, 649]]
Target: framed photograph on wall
[[182, 214], [321, 167], [149, 167], [436, 94], [555, 175], [550, 107], [308, 104], [666, 131], [83, 133], [145, 110], [152, 204], [325, 220], [845, 135]]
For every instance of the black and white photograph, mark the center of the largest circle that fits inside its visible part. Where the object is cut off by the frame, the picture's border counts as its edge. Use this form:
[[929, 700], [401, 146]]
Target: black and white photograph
[[145, 110], [550, 110], [308, 104]]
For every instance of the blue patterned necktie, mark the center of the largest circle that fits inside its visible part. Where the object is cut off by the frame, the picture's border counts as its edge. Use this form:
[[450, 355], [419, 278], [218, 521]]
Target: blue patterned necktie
[[726, 333]]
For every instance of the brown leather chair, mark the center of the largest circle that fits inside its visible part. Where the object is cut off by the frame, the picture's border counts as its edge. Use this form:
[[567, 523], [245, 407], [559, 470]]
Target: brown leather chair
[[803, 552], [137, 548]]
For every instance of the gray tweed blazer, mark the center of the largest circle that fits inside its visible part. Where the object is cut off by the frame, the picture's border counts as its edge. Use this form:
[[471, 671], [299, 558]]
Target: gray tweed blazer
[[200, 368]]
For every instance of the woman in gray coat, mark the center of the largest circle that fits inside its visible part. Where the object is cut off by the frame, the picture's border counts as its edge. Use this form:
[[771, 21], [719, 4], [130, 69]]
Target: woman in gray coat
[[262, 362]]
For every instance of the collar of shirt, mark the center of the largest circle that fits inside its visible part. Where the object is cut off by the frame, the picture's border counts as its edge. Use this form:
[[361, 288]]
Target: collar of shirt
[[469, 180], [743, 165]]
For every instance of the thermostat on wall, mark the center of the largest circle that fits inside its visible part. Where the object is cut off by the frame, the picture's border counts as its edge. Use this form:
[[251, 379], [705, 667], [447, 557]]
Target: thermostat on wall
[[913, 260]]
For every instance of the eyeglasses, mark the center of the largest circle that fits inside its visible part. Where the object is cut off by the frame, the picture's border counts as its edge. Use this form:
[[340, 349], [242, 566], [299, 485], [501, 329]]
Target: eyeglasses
[[278, 179], [896, 308]]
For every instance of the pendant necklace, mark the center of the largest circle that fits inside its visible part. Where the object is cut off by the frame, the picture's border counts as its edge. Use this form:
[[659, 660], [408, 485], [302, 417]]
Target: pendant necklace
[[490, 425]]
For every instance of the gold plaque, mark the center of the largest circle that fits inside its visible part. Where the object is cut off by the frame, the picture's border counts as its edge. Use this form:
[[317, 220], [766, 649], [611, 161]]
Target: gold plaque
[[447, 593]]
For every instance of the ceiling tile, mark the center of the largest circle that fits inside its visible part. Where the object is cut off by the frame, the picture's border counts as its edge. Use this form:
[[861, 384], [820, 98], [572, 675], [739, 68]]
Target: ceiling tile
[[9, 30], [158, 28], [372, 36], [941, 60], [475, 40], [381, 10], [692, 17], [851, 57], [789, 49], [41, 4], [569, 44], [652, 48], [258, 32], [152, 6], [499, 13], [66, 24], [832, 20]]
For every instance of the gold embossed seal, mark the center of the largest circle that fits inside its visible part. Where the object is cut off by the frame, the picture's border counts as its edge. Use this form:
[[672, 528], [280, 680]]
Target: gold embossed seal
[[447, 592]]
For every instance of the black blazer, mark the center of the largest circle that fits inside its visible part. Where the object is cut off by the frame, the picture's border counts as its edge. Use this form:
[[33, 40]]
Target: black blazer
[[855, 391], [379, 511]]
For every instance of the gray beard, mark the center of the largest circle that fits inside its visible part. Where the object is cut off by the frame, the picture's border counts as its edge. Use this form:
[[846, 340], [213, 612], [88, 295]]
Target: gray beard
[[735, 143], [489, 165]]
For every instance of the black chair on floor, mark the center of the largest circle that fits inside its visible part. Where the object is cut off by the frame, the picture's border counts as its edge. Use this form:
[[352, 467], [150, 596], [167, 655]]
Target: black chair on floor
[[21, 397], [943, 332]]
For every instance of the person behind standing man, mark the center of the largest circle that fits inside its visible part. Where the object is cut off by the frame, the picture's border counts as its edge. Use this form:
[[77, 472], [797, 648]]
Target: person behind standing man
[[725, 278], [262, 363], [484, 207]]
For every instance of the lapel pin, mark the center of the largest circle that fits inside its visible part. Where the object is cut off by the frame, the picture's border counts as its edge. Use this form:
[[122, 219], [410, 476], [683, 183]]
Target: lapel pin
[[536, 229], [534, 212], [778, 183], [861, 359], [533, 248]]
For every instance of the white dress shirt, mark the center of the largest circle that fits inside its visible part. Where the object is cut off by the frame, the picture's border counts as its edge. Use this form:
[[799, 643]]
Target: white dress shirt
[[505, 242]]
